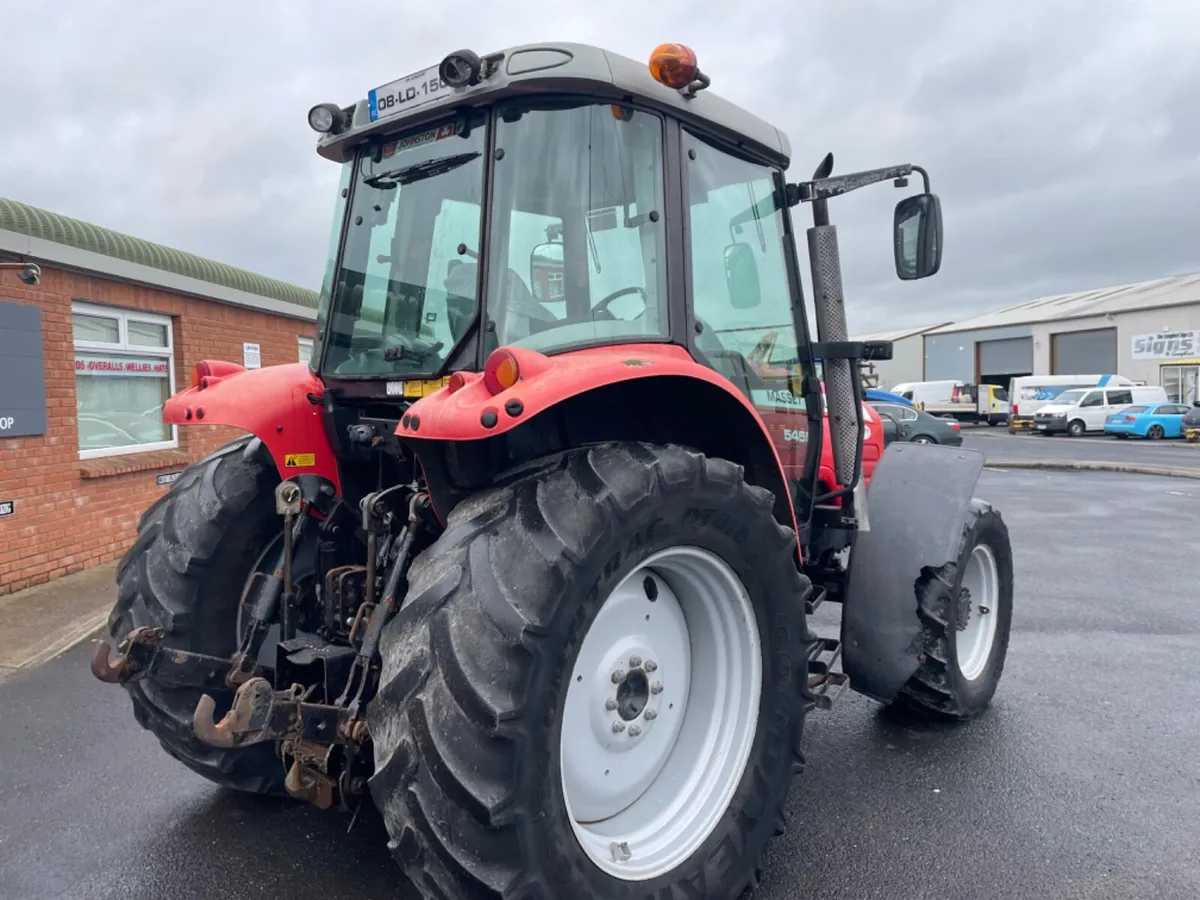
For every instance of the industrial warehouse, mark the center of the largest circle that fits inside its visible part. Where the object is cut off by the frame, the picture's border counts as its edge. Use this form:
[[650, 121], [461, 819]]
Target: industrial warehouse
[[1148, 332], [87, 357]]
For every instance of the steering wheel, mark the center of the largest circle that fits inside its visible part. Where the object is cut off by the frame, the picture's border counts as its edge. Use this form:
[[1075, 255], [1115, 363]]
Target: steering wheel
[[602, 306]]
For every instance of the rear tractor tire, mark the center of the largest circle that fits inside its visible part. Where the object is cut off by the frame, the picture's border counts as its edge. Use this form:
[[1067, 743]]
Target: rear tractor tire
[[597, 685], [185, 573], [966, 611]]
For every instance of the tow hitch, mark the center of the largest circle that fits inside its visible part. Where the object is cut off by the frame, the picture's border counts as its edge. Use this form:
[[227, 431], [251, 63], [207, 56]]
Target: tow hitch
[[310, 703], [142, 655]]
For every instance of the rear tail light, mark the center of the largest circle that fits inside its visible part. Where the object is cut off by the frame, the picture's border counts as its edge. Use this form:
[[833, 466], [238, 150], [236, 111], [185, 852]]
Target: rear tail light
[[501, 371], [1015, 409], [1130, 419], [954, 425]]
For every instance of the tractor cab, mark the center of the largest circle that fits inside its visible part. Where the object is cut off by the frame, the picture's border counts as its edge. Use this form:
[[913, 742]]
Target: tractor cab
[[558, 199]]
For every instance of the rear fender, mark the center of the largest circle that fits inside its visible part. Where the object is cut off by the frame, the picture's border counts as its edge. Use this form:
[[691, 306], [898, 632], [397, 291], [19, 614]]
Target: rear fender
[[918, 499], [566, 382], [279, 405]]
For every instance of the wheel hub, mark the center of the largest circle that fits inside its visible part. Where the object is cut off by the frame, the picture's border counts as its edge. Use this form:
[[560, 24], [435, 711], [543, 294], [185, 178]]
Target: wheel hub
[[633, 693], [653, 745]]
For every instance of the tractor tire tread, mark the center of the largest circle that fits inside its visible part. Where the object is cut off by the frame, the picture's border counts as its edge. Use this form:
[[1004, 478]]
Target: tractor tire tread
[[182, 551], [931, 690], [450, 717]]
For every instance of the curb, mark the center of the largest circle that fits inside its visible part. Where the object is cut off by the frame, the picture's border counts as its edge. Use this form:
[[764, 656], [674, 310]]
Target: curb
[[1068, 465], [44, 621], [67, 641]]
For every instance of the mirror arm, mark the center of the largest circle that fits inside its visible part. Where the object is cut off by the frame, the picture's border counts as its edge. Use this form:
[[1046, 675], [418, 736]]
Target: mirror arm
[[823, 189]]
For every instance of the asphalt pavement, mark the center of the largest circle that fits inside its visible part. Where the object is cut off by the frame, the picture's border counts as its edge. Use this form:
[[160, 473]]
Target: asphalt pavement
[[998, 444], [1080, 783]]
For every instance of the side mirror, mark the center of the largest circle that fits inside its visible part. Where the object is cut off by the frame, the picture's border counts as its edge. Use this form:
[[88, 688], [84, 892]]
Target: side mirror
[[546, 272], [741, 277], [917, 236]]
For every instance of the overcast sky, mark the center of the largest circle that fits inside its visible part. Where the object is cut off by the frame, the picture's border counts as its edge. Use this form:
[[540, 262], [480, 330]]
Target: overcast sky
[[1063, 136]]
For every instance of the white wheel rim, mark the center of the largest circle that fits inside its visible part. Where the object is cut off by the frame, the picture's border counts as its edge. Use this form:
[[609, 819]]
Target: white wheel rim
[[973, 644], [644, 794]]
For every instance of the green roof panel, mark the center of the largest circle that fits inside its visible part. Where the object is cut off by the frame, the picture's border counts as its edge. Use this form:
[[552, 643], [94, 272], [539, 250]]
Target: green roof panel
[[38, 223]]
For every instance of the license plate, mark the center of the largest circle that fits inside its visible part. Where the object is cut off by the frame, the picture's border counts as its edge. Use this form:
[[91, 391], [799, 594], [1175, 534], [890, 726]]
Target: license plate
[[406, 93], [1042, 426]]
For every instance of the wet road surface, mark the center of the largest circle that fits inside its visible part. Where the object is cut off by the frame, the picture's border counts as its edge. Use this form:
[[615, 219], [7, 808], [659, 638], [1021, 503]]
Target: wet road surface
[[997, 443], [1082, 781]]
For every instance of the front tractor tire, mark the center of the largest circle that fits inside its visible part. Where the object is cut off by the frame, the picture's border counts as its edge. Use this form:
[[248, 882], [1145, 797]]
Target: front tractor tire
[[597, 685], [185, 573], [966, 613]]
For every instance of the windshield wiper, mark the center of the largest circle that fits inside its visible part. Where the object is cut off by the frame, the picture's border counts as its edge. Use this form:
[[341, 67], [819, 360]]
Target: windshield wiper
[[418, 171]]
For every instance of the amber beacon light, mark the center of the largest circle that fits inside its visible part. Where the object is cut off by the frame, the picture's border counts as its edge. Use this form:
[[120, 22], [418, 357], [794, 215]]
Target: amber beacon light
[[675, 66]]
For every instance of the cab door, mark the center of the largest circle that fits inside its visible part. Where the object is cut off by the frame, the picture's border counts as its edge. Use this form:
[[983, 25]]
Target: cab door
[[1092, 410]]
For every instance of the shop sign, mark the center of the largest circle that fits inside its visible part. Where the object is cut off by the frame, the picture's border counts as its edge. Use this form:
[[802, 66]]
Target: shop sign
[[22, 373], [122, 366], [1166, 345]]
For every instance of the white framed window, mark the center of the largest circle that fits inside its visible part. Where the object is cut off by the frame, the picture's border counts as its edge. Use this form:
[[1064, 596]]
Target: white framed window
[[124, 373], [305, 347]]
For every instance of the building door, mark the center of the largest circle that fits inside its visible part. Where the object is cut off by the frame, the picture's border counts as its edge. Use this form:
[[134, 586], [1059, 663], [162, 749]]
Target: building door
[[1092, 352], [999, 362], [1182, 383]]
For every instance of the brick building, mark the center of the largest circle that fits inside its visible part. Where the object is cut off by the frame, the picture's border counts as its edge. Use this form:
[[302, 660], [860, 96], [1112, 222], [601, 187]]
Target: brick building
[[114, 327]]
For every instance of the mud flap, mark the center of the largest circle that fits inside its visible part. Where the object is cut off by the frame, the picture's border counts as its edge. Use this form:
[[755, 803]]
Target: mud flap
[[919, 496]]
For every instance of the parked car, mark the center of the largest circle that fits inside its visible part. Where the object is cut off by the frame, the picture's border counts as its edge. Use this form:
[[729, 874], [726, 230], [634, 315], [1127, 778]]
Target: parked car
[[1191, 424], [1153, 420], [903, 423], [1088, 409]]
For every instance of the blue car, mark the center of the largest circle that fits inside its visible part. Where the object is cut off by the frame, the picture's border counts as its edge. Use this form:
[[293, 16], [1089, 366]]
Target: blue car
[[1152, 420]]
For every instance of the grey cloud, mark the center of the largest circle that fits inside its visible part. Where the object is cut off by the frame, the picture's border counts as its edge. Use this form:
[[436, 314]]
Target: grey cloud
[[1062, 136]]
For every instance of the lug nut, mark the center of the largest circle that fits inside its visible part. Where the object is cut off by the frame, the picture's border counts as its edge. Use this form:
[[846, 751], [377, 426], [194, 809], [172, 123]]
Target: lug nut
[[650, 715], [610, 704], [984, 610], [650, 665], [634, 730], [656, 688], [618, 726], [634, 662], [618, 676]]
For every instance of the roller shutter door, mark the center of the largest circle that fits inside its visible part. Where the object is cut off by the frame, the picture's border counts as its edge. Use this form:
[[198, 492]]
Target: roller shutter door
[[1011, 356], [1084, 352]]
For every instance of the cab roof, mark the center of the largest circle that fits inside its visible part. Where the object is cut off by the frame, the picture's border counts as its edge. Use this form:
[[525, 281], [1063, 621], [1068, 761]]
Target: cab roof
[[569, 67]]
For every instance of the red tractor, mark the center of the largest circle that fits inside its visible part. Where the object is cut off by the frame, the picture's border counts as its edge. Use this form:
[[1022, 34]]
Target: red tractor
[[525, 556]]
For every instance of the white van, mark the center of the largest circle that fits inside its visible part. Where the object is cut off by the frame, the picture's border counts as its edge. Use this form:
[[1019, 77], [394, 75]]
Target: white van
[[1080, 410], [927, 392], [1029, 393]]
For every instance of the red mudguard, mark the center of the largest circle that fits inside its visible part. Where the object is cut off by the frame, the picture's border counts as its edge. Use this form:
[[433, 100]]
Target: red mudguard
[[272, 404], [470, 411]]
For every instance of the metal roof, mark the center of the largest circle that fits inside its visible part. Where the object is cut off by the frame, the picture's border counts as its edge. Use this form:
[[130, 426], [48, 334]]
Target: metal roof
[[900, 334], [18, 218], [1177, 290]]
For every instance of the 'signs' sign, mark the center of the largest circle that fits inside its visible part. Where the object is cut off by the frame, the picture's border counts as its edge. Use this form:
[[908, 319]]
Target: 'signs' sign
[[1167, 345]]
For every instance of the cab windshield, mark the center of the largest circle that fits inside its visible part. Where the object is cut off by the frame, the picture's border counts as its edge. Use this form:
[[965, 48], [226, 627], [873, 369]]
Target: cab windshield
[[1068, 398], [576, 251]]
